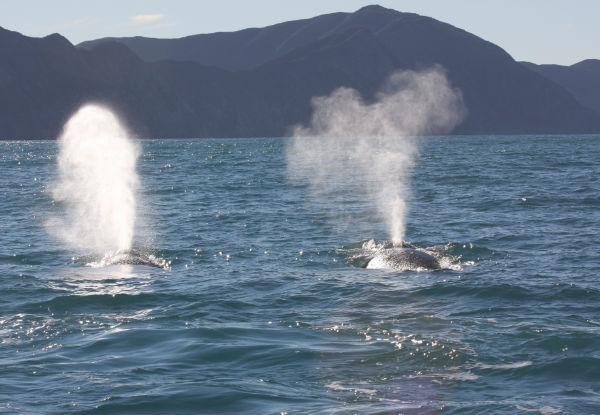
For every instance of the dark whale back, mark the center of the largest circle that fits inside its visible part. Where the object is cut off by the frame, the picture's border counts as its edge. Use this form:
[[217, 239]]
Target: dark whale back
[[407, 259]]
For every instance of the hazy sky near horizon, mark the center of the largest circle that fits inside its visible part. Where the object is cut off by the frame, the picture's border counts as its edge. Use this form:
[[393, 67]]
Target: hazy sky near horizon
[[541, 31]]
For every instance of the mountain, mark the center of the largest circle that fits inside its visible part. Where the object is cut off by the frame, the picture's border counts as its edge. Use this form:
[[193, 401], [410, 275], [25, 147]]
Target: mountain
[[581, 79], [233, 51], [259, 82]]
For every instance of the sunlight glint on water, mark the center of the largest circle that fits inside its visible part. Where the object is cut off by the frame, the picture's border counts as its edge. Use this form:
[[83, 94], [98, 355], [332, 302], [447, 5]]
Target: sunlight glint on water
[[266, 309]]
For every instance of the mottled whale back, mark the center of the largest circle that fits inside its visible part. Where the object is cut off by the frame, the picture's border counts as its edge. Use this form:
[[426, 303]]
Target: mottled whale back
[[130, 257], [406, 259]]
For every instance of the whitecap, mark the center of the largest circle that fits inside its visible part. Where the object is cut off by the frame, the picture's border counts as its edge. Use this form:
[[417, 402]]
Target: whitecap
[[516, 365], [338, 386]]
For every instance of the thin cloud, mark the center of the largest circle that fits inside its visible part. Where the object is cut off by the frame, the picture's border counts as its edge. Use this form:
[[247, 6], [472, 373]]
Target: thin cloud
[[64, 28], [145, 18], [73, 23]]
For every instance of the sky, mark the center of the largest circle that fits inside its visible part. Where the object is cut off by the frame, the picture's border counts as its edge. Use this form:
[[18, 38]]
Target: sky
[[541, 31]]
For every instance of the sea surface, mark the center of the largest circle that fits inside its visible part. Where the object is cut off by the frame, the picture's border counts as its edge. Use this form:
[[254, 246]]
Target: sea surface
[[259, 307]]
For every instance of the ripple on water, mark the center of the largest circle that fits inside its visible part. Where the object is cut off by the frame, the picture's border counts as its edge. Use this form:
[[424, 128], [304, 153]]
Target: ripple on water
[[265, 308]]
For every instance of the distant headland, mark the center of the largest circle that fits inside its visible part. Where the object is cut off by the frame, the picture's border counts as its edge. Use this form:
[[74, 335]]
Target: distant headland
[[259, 82]]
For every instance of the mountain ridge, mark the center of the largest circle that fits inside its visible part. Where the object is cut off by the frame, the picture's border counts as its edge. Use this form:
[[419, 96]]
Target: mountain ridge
[[43, 80], [581, 79]]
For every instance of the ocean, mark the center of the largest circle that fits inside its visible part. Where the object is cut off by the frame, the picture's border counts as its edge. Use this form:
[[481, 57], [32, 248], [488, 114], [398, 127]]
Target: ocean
[[260, 302]]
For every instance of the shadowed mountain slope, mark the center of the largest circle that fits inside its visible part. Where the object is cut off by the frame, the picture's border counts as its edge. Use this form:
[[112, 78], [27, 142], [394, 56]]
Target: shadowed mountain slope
[[581, 79], [266, 88], [248, 48]]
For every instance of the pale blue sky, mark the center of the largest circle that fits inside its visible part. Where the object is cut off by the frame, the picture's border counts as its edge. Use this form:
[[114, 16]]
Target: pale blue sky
[[540, 31]]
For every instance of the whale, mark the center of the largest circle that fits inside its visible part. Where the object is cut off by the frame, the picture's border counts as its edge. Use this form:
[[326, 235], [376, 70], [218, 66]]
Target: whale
[[135, 257], [130, 257], [403, 258]]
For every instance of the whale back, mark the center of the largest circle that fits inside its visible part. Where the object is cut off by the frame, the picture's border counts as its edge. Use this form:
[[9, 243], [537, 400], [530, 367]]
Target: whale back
[[405, 259]]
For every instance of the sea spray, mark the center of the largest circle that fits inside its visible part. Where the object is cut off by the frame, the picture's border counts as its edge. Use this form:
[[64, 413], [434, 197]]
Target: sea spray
[[96, 183], [371, 146]]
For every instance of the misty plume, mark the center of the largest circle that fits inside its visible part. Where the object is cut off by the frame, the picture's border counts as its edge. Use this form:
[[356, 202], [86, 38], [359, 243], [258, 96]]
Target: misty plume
[[96, 183], [368, 149]]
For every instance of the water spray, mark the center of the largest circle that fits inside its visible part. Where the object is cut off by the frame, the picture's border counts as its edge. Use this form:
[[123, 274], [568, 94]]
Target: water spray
[[371, 145], [96, 183]]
